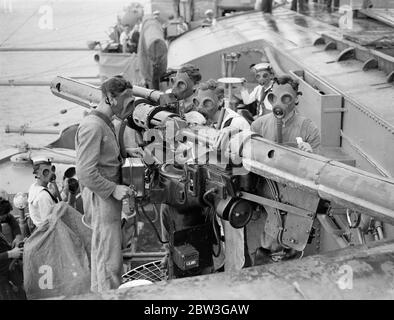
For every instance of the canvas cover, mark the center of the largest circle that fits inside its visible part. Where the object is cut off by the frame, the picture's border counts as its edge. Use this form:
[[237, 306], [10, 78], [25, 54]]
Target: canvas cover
[[152, 52], [56, 258], [125, 64]]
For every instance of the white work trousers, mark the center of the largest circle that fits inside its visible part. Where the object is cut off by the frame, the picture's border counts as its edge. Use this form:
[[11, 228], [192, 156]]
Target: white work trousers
[[104, 217]]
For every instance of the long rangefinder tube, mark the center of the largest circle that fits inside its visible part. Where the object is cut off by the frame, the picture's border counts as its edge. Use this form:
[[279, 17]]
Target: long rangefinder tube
[[330, 180]]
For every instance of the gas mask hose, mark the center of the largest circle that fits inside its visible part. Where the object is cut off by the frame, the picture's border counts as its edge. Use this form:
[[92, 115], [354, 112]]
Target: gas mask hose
[[279, 125], [122, 146], [212, 214]]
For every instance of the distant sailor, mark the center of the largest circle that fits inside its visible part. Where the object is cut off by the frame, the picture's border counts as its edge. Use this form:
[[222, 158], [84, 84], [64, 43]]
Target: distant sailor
[[40, 198], [98, 169], [209, 19]]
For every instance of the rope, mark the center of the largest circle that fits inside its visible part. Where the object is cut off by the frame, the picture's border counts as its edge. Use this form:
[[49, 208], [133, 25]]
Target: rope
[[57, 68]]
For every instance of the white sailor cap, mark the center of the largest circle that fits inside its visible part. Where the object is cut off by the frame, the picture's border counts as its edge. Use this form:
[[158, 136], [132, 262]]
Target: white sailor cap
[[261, 67], [156, 12], [209, 11], [41, 159]]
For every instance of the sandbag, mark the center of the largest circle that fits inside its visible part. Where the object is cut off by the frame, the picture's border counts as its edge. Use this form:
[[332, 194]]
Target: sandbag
[[56, 258]]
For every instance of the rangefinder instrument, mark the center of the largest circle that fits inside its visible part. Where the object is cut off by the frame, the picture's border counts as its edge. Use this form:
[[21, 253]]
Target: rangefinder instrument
[[233, 177]]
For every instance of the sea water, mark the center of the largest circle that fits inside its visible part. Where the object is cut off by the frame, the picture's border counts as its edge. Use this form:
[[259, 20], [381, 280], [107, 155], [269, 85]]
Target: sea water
[[48, 24]]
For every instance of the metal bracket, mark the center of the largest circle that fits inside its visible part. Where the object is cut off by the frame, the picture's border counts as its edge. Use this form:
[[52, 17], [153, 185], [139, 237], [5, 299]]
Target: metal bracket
[[370, 64], [319, 41], [390, 77], [334, 110], [332, 229], [330, 46], [274, 204], [346, 54]]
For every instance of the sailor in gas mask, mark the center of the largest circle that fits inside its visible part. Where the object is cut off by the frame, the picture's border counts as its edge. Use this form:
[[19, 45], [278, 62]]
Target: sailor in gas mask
[[210, 102], [40, 198], [264, 75], [98, 166], [184, 85], [284, 125]]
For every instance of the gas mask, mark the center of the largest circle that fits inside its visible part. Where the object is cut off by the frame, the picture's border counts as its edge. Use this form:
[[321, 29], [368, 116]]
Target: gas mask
[[207, 103], [183, 86], [263, 77], [283, 100], [124, 105], [73, 185], [46, 172]]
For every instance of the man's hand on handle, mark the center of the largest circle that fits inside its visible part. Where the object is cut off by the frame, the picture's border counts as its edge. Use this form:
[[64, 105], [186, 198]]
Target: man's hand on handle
[[15, 253], [121, 192]]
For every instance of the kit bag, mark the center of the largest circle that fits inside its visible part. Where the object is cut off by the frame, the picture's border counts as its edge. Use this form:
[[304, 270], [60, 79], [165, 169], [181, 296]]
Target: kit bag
[[56, 258]]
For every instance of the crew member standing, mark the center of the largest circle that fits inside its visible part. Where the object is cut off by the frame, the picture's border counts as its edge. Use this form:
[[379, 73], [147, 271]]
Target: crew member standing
[[98, 168], [210, 101], [284, 98]]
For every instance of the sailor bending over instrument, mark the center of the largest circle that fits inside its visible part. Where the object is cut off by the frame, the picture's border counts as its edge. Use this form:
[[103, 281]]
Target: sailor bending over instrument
[[210, 101], [98, 168]]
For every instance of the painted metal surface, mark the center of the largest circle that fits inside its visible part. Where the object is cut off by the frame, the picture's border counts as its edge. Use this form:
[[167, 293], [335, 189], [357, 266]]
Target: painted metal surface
[[331, 180], [365, 272], [384, 15], [285, 28]]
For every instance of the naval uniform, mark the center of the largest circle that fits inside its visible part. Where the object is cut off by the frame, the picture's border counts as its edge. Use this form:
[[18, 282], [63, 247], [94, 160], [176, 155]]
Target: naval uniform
[[234, 245], [99, 171], [295, 126], [259, 94]]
